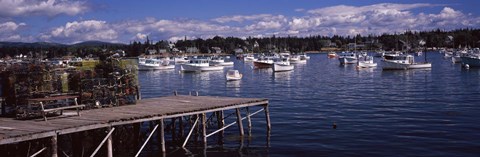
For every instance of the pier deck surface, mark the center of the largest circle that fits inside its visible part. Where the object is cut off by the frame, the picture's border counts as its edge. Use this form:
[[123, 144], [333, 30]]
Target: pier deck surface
[[12, 130]]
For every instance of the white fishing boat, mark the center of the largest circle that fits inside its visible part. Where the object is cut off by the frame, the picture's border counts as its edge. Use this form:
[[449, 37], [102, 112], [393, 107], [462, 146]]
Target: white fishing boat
[[379, 54], [347, 58], [366, 62], [332, 54], [199, 65], [282, 65], [249, 58], [362, 54], [233, 75], [180, 60], [141, 60], [402, 62], [155, 64], [296, 59], [456, 58], [418, 53], [471, 60], [263, 62], [304, 56], [219, 61]]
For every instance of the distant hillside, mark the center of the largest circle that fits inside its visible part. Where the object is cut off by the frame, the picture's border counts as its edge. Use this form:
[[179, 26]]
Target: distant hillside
[[48, 44], [96, 43], [35, 44]]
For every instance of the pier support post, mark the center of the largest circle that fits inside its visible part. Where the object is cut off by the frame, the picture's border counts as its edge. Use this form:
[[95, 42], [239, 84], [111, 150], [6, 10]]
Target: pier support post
[[204, 129], [181, 131], [267, 117], [53, 146], [174, 128], [220, 124], [249, 125], [109, 144], [239, 122], [139, 94], [162, 135]]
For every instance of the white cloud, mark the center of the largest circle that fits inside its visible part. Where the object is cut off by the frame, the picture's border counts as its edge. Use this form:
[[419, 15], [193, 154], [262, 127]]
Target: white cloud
[[10, 31], [81, 31], [10, 8], [378, 19], [165, 29], [140, 36], [264, 25], [299, 10], [242, 18], [334, 20], [349, 10], [10, 26]]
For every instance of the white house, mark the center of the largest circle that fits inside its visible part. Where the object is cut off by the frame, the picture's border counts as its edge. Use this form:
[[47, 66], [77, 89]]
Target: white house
[[216, 50]]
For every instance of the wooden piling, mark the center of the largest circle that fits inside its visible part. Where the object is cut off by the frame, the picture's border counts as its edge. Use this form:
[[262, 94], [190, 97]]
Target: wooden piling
[[174, 129], [267, 117], [197, 131], [220, 124], [162, 135], [139, 94], [53, 146], [109, 144], [181, 131], [239, 122], [204, 129], [249, 126]]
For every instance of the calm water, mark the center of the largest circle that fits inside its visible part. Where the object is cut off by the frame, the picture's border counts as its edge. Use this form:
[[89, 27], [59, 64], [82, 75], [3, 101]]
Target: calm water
[[378, 113]]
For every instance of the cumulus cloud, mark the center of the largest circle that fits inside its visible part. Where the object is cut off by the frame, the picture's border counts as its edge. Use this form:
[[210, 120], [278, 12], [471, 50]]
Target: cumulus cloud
[[9, 8], [165, 29], [350, 10], [10, 26], [378, 19], [328, 21], [10, 31], [242, 18], [81, 31], [141, 36]]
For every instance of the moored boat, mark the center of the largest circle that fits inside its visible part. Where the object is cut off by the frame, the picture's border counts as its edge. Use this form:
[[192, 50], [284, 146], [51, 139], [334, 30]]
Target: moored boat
[[367, 62], [249, 58], [332, 54], [282, 65], [472, 60], [199, 65], [347, 58], [219, 61], [296, 59], [155, 64], [233, 75], [402, 62], [180, 60], [263, 62]]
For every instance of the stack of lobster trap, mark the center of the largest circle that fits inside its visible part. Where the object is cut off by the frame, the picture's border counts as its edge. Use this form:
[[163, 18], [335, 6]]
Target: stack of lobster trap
[[111, 82]]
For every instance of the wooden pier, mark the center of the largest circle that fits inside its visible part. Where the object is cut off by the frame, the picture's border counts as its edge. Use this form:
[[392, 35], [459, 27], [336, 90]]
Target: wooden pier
[[154, 110]]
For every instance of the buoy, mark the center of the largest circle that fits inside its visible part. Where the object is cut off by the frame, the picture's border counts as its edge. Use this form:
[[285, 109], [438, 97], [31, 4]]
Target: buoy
[[334, 125], [467, 66]]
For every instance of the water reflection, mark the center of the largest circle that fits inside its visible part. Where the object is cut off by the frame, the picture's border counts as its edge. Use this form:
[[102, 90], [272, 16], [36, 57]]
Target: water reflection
[[233, 85], [283, 76]]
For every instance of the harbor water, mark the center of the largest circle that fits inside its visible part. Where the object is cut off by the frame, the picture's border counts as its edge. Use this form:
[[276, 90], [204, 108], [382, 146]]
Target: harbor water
[[429, 112]]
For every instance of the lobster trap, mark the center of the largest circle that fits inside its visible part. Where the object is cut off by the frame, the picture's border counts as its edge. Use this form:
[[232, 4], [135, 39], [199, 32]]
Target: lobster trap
[[112, 82]]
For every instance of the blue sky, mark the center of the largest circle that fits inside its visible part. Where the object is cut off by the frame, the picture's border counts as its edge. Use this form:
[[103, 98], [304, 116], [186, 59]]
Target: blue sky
[[72, 21]]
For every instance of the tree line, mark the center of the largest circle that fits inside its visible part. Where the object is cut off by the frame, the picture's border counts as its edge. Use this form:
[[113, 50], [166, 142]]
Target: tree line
[[397, 41]]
